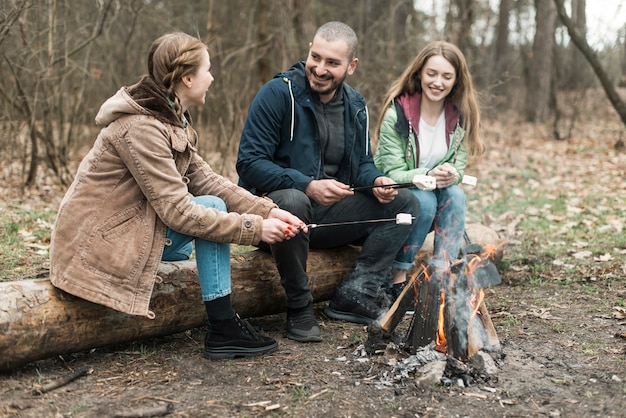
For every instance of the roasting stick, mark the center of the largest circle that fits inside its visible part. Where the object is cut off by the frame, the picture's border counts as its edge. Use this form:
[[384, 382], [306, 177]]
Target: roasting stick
[[400, 219], [375, 186], [422, 182]]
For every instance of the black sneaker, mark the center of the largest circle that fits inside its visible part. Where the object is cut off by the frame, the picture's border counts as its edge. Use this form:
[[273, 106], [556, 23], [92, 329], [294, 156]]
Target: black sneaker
[[302, 326], [235, 337], [357, 307]]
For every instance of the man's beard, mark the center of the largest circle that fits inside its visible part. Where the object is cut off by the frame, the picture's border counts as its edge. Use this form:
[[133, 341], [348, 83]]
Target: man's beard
[[335, 83]]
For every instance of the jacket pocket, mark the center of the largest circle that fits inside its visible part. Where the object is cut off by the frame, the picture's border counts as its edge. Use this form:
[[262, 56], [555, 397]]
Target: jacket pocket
[[120, 246]]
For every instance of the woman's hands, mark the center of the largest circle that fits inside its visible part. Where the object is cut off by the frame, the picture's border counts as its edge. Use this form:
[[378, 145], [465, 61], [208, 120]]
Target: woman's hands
[[280, 225], [445, 175]]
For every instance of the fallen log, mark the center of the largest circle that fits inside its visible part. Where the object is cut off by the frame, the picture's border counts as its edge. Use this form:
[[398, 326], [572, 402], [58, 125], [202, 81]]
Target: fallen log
[[38, 321]]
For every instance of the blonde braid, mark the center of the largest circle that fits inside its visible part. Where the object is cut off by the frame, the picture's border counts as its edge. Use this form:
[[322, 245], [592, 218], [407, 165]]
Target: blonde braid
[[171, 57]]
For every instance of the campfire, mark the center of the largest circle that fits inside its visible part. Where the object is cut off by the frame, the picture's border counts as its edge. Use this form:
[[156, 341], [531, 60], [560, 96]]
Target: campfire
[[450, 307], [450, 313]]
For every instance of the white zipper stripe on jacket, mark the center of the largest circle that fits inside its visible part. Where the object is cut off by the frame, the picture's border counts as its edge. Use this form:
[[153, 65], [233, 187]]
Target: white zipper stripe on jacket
[[367, 131], [293, 111]]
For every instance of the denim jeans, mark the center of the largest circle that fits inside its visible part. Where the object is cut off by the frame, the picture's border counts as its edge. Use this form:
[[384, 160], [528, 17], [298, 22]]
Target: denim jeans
[[442, 210], [212, 258], [380, 243]]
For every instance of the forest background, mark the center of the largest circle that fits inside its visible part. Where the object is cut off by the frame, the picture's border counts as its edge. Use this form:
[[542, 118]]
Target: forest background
[[63, 58], [552, 184]]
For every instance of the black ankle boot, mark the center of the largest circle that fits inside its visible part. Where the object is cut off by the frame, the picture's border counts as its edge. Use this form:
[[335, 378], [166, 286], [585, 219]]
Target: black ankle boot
[[235, 337]]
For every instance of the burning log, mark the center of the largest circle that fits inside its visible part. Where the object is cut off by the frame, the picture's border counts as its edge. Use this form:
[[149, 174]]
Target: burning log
[[450, 310], [427, 307]]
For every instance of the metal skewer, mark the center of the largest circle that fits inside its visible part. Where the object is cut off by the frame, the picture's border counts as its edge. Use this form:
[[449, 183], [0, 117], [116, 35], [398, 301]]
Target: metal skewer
[[373, 186], [401, 218]]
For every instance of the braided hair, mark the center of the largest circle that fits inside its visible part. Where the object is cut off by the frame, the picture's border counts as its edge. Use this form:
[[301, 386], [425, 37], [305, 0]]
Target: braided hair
[[171, 57]]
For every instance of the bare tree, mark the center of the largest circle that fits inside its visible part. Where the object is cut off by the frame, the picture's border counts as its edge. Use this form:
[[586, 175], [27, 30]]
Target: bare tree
[[459, 20], [541, 63], [576, 74], [44, 93], [502, 46], [622, 80], [581, 43]]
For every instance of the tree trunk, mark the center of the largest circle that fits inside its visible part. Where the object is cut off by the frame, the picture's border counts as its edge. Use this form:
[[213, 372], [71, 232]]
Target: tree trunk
[[581, 43], [576, 73], [38, 320], [622, 80], [541, 62], [503, 48]]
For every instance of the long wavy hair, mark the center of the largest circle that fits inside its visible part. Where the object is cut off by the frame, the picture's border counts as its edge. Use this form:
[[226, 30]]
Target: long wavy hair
[[462, 95], [171, 57]]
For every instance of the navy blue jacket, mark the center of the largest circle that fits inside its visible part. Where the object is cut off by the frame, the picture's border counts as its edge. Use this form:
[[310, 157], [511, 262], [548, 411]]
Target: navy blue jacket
[[280, 147]]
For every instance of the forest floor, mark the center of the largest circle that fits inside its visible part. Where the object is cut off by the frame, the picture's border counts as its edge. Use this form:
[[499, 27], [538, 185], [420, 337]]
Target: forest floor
[[560, 315]]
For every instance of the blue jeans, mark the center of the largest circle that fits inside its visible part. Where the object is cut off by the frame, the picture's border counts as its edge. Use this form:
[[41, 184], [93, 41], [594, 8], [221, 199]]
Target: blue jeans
[[442, 210], [212, 258]]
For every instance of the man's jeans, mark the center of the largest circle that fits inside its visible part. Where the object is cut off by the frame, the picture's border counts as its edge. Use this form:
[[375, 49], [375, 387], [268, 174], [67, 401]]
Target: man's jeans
[[380, 243], [212, 258], [441, 210]]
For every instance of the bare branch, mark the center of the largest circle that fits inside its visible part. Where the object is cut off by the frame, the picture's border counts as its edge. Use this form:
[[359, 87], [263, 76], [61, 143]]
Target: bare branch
[[581, 43]]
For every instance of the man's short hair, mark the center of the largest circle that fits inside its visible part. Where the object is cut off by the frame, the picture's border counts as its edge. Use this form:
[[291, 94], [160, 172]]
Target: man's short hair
[[333, 31]]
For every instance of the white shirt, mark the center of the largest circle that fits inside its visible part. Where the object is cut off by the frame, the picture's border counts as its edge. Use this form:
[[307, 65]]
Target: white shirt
[[432, 142]]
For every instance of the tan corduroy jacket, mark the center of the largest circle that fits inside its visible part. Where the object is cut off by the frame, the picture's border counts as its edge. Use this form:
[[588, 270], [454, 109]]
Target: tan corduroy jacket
[[137, 180]]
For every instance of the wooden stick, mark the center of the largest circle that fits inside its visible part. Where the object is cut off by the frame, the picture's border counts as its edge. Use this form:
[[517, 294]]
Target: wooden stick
[[394, 315], [156, 411], [70, 377]]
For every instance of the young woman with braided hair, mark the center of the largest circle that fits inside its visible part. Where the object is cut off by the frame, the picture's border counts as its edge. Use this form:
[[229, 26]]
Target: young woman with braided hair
[[143, 194]]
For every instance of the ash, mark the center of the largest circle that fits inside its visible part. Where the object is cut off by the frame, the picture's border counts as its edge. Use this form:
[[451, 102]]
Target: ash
[[424, 355]]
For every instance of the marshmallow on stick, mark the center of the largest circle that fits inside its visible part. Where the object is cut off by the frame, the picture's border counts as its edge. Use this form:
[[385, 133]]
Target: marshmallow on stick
[[404, 219], [424, 182], [469, 180]]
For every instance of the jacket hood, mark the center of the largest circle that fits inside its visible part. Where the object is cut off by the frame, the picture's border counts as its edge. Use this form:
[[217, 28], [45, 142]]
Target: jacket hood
[[410, 104], [299, 87], [142, 98]]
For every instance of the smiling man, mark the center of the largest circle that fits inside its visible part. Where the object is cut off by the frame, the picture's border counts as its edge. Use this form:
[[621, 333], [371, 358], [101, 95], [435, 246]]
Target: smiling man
[[304, 144]]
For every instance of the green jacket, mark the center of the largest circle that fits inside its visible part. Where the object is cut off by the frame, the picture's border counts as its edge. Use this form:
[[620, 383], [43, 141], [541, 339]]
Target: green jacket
[[397, 154]]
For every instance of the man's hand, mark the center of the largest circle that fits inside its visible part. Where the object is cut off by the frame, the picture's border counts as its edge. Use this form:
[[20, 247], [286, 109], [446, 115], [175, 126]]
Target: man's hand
[[445, 175], [326, 192], [280, 225], [384, 194]]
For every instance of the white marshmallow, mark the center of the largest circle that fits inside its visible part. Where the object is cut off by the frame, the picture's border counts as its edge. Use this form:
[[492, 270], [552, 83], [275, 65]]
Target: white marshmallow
[[424, 182], [469, 180], [404, 219]]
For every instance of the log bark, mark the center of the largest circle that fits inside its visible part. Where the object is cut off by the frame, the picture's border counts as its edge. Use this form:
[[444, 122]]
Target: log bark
[[39, 321]]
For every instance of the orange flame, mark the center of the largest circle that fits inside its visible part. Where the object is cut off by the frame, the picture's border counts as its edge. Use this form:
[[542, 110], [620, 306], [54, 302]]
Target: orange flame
[[441, 344]]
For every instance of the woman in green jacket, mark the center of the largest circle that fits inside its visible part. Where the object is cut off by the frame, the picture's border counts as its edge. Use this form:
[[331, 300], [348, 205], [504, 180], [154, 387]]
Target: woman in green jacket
[[429, 126]]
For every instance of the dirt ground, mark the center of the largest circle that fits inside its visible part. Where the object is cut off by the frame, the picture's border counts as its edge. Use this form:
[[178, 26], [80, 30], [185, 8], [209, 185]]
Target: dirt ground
[[562, 334], [564, 356]]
